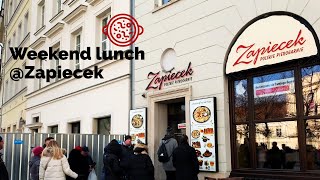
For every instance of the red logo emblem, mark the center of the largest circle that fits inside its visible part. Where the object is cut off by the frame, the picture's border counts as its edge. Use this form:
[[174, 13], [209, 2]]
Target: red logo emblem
[[122, 30]]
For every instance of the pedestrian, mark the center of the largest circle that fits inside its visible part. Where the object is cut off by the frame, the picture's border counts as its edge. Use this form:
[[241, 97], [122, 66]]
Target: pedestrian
[[111, 161], [185, 161], [78, 163], [170, 144], [53, 164], [140, 165], [86, 153], [3, 170], [127, 152], [35, 163], [46, 141]]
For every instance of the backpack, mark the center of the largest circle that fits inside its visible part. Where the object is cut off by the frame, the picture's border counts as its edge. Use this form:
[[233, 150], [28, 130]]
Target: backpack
[[163, 154]]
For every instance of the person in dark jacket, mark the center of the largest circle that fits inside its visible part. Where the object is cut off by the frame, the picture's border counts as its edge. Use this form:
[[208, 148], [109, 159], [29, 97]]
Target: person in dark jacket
[[185, 161], [3, 170], [111, 161], [35, 163], [78, 164], [274, 157], [127, 152], [140, 165]]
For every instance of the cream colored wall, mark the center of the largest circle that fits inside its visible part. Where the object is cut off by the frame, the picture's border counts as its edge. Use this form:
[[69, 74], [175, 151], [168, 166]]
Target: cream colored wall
[[14, 109]]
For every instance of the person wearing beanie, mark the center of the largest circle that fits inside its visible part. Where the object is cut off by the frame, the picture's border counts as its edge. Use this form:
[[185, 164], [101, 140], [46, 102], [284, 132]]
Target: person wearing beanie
[[127, 152], [35, 163], [78, 163], [171, 144], [4, 175], [140, 165]]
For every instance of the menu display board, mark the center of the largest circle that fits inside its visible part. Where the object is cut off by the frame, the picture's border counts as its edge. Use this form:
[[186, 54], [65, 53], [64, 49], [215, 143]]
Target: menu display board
[[203, 132], [138, 125]]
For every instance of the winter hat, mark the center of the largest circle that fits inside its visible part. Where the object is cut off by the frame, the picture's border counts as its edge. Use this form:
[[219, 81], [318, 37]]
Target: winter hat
[[78, 148], [127, 137], [85, 149], [37, 150], [169, 129]]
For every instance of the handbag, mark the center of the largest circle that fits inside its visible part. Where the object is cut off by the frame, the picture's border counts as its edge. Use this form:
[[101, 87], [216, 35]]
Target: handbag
[[92, 175]]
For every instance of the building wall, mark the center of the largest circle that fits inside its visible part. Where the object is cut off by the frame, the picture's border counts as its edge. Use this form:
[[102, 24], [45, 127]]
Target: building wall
[[69, 100], [14, 101], [201, 31]]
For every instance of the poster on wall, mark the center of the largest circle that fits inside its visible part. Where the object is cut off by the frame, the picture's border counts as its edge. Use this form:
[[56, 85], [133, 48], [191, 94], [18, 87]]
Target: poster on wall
[[138, 125], [203, 132]]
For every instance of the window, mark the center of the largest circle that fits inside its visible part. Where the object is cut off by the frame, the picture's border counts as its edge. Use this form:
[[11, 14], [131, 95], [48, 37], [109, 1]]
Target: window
[[161, 2], [75, 128], [8, 50], [25, 25], [36, 119], [19, 34], [56, 7], [53, 129], [57, 64], [78, 48], [40, 79], [14, 128], [276, 116], [105, 43], [14, 41], [10, 10], [165, 1], [7, 91], [278, 132], [8, 130], [23, 80], [104, 125], [41, 14]]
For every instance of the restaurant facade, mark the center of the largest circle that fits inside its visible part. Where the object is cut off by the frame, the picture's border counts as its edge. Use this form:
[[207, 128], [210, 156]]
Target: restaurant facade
[[241, 79]]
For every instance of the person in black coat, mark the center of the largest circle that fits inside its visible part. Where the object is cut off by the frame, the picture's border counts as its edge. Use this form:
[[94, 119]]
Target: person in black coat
[[185, 161], [78, 164], [127, 152], [140, 166], [4, 175], [111, 161]]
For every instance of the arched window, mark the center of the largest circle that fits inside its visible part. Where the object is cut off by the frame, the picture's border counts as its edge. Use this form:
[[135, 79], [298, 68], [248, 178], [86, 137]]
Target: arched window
[[273, 69]]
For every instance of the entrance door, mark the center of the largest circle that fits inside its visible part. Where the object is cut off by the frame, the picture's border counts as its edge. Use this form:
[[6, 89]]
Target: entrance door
[[176, 115]]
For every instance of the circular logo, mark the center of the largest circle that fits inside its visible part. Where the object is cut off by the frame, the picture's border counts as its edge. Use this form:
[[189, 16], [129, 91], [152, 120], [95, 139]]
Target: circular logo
[[122, 30]]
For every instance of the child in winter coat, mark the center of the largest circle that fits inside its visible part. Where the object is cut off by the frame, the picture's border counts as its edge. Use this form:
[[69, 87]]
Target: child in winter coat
[[35, 163], [54, 164]]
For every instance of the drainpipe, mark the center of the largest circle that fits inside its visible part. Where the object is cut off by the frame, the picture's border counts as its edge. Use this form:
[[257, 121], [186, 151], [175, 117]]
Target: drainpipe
[[3, 58], [132, 6]]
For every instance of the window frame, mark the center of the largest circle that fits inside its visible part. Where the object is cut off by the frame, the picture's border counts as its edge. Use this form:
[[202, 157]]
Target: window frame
[[103, 37], [77, 46], [300, 119]]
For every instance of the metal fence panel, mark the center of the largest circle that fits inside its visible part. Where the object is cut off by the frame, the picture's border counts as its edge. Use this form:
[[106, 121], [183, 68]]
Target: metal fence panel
[[18, 149]]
